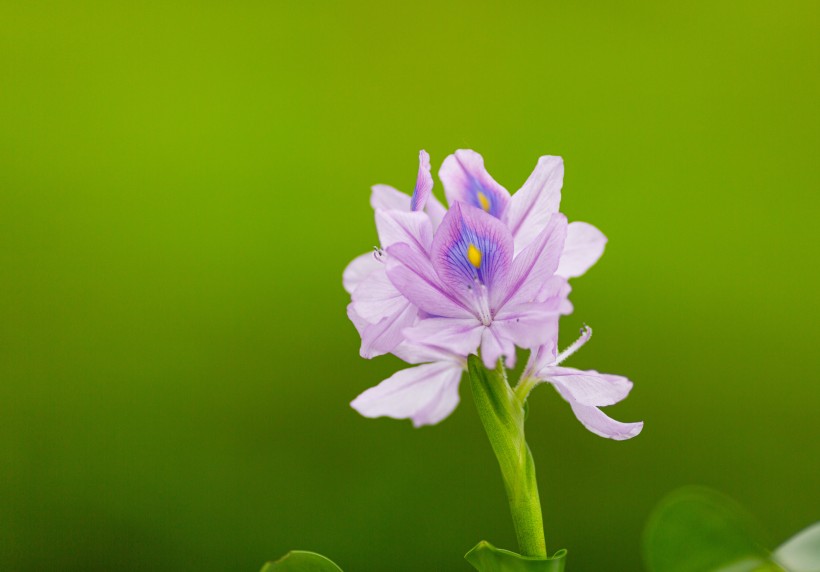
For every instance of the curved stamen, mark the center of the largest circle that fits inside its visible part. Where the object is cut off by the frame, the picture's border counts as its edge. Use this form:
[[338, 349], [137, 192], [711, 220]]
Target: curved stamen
[[586, 333]]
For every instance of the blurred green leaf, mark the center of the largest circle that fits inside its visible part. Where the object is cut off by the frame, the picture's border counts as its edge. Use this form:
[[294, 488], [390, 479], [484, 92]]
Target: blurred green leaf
[[801, 553], [301, 561], [700, 530], [487, 558]]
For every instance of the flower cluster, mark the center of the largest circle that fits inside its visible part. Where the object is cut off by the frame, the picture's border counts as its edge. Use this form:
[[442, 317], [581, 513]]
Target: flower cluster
[[486, 276]]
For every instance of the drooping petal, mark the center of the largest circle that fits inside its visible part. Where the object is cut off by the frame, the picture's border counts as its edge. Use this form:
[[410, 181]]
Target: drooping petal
[[387, 198], [376, 298], [535, 265], [471, 248], [359, 269], [382, 338], [597, 421], [531, 207], [413, 228], [413, 275], [583, 247], [426, 394], [588, 387], [466, 181], [457, 336], [424, 183]]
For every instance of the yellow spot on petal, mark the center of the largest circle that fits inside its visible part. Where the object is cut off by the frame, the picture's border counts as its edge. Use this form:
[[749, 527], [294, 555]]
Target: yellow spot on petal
[[485, 202], [474, 256]]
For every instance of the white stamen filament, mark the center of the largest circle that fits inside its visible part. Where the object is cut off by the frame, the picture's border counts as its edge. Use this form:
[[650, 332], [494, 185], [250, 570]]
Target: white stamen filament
[[379, 254], [586, 333], [482, 298]]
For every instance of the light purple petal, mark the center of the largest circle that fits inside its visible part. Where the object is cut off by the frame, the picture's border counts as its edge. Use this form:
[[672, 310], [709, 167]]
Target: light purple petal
[[598, 422], [424, 183], [426, 394], [458, 336], [435, 210], [466, 181], [494, 345], [536, 264], [531, 207], [601, 424], [527, 325], [382, 338], [583, 247], [359, 269], [413, 228], [588, 387], [465, 228], [376, 298], [388, 198], [415, 352], [413, 275]]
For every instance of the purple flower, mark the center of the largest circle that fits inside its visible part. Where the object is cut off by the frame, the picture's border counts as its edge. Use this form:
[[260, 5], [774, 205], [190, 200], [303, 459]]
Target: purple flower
[[475, 293], [585, 391], [488, 275], [528, 211]]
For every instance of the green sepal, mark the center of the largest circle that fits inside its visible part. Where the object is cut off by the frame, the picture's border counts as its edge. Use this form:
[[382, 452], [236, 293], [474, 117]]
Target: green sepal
[[301, 561], [487, 558], [696, 529]]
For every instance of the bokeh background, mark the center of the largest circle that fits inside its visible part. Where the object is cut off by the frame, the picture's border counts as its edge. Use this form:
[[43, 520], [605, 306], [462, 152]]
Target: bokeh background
[[181, 185]]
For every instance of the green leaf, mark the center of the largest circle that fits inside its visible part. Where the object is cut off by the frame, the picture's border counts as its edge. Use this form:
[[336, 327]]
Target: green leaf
[[801, 553], [301, 561], [487, 558], [700, 530]]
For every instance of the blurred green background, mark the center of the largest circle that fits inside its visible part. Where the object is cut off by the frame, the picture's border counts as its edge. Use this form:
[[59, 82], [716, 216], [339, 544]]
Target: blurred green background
[[181, 185]]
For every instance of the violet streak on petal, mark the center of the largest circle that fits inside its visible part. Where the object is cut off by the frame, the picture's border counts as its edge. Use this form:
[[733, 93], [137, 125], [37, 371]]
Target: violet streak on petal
[[424, 183], [472, 252], [466, 181]]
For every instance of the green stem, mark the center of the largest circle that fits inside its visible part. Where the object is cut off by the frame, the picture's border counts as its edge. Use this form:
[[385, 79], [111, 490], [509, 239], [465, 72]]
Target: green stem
[[502, 414]]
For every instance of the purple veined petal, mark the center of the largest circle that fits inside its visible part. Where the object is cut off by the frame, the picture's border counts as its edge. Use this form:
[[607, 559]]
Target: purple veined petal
[[601, 424], [472, 253], [583, 247], [466, 181], [424, 183], [535, 265], [376, 298], [531, 207], [527, 325], [494, 345], [387, 198], [382, 338], [359, 269], [587, 387], [426, 394], [458, 336], [413, 228], [414, 276]]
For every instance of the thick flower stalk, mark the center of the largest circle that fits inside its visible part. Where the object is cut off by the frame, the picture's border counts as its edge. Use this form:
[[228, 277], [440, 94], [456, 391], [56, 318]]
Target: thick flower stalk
[[482, 278]]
